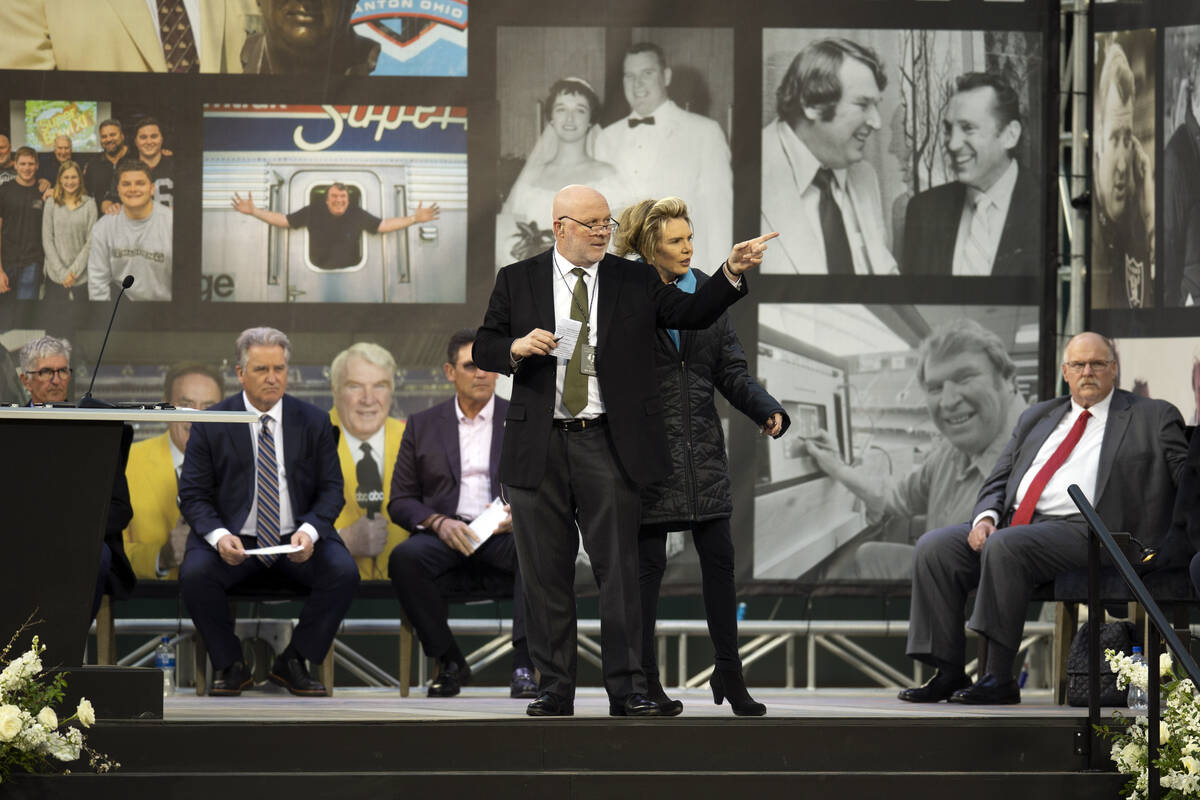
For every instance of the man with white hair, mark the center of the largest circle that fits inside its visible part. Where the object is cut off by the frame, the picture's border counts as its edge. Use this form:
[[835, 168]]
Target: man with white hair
[[363, 376], [272, 482]]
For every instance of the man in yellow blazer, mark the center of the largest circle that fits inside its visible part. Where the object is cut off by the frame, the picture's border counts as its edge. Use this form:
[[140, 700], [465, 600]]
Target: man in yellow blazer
[[115, 35], [156, 536], [363, 377]]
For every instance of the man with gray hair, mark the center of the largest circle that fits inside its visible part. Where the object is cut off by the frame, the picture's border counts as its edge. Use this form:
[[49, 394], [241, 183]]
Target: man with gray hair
[[46, 375], [967, 379], [363, 376], [272, 482]]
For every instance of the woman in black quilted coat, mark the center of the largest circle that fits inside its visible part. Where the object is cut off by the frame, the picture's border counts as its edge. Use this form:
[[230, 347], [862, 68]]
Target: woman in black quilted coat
[[691, 364]]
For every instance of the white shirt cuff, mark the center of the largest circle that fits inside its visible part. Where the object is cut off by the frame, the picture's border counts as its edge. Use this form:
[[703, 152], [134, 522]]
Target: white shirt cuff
[[734, 282], [992, 515], [214, 536], [310, 530]]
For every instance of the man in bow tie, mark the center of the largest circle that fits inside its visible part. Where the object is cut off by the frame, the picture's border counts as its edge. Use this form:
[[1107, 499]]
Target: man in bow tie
[[661, 150]]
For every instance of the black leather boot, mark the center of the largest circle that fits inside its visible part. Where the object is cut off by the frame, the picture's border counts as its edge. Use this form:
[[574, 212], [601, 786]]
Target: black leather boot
[[729, 683]]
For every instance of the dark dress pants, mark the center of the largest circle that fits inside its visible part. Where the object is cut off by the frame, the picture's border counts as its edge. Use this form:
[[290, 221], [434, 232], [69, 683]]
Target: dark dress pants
[[102, 577], [205, 580], [414, 567], [1014, 561], [583, 485], [714, 545]]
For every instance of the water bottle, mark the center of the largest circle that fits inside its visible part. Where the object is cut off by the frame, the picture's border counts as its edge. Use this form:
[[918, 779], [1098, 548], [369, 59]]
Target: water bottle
[[164, 659], [741, 611], [1137, 695]]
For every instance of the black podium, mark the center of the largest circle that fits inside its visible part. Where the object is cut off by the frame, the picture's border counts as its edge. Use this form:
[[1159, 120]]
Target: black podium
[[56, 480]]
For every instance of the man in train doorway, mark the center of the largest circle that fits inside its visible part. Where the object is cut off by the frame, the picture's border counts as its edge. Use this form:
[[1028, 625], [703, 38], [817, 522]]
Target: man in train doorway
[[334, 227]]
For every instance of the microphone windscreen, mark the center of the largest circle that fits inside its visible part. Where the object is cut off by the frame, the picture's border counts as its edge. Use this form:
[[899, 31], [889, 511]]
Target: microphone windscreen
[[128, 281]]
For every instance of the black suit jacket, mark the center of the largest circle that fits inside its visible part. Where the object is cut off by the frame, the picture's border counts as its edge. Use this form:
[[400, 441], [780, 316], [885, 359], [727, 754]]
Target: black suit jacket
[[633, 303], [428, 470], [1141, 459], [216, 486], [931, 227]]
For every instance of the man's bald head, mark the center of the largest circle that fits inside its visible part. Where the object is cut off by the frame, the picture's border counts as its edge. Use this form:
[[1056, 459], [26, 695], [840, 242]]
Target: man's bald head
[[581, 224]]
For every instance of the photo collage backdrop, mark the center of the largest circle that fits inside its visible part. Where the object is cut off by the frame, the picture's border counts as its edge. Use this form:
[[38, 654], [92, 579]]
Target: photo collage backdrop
[[399, 117]]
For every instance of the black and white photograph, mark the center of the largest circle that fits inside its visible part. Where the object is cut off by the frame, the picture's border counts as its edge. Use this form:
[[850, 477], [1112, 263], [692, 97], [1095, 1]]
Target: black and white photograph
[[635, 113], [1180, 255], [903, 152], [1123, 147], [334, 204], [898, 415], [1165, 368], [87, 192]]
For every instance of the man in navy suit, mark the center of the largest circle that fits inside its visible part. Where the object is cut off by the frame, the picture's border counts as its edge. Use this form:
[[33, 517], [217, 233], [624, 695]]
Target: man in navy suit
[[270, 482], [446, 474], [986, 222]]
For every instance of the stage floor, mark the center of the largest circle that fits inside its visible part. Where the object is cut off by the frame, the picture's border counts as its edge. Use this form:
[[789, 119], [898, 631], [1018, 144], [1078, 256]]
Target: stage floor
[[271, 704]]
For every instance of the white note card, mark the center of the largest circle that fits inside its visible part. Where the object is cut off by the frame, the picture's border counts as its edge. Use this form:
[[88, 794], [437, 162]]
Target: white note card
[[567, 334], [486, 523]]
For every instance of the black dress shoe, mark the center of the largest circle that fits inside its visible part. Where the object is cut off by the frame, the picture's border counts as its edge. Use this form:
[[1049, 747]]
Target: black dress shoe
[[550, 705], [936, 689], [230, 681], [669, 707], [522, 684], [451, 677], [636, 705], [990, 691], [289, 672]]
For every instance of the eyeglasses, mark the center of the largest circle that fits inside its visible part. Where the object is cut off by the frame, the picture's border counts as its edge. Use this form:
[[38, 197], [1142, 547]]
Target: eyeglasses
[[608, 226], [1097, 366], [46, 374]]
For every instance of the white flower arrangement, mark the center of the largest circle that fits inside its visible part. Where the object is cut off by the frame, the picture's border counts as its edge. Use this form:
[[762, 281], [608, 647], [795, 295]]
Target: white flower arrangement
[[1178, 758], [32, 736]]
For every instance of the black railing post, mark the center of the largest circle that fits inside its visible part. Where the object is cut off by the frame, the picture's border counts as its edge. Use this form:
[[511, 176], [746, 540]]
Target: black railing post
[[1152, 711], [1099, 753]]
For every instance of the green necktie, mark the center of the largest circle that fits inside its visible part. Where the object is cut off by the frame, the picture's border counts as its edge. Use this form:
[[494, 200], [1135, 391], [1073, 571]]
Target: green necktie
[[575, 385]]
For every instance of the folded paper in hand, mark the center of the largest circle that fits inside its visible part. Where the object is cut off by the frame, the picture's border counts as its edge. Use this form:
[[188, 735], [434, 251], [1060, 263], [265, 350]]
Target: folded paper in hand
[[270, 551], [486, 523]]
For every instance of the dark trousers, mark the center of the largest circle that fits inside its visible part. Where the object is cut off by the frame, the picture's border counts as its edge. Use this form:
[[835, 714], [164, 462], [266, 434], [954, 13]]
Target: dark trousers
[[330, 574], [102, 577], [414, 567], [714, 546], [583, 484], [1014, 561]]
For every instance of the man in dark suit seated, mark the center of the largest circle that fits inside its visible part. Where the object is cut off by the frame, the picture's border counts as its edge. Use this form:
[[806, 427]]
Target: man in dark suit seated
[[984, 222], [446, 474], [1125, 452], [46, 375], [583, 432], [270, 482]]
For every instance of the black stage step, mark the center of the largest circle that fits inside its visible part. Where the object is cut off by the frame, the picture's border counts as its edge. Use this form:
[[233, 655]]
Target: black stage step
[[733, 759]]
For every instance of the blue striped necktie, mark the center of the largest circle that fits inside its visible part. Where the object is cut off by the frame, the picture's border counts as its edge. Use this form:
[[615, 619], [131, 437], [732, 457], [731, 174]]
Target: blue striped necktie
[[268, 491]]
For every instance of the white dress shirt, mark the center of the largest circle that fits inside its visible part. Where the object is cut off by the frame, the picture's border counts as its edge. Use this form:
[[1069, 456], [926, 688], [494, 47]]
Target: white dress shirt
[[287, 523], [1080, 468], [993, 202], [475, 459], [564, 289], [355, 444]]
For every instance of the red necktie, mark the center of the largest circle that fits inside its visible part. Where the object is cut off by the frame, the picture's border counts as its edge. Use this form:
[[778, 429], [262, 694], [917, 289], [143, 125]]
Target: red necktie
[[1024, 512], [179, 45]]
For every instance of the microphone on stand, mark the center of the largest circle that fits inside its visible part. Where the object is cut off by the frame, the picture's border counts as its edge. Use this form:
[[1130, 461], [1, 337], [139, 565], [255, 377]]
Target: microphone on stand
[[87, 401]]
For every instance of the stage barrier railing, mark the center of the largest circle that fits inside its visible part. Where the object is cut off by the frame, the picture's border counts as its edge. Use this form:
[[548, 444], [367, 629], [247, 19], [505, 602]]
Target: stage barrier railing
[[760, 638]]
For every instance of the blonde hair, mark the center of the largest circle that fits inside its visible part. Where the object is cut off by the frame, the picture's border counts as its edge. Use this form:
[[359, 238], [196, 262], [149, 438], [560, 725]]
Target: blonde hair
[[641, 224], [60, 194], [367, 351]]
